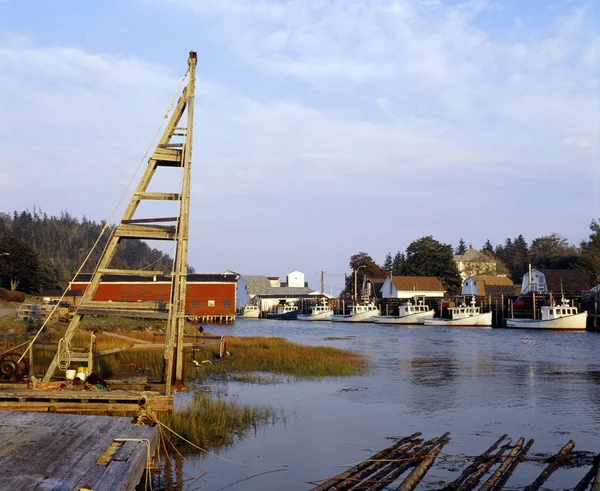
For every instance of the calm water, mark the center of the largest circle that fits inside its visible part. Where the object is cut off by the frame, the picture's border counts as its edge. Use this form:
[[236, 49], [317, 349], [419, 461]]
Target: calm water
[[475, 383]]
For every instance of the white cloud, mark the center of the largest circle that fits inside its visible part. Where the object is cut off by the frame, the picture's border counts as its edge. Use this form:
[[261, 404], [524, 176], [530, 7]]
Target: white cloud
[[579, 142]]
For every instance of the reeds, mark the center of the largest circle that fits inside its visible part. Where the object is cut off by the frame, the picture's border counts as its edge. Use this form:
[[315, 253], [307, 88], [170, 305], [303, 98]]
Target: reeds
[[260, 355], [212, 422]]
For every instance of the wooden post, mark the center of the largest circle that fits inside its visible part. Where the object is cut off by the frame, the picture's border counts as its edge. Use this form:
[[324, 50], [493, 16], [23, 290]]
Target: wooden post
[[533, 297]]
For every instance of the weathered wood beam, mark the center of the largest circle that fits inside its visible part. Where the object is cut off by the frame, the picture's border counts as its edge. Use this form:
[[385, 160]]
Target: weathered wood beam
[[156, 232], [132, 314], [132, 272], [157, 196], [149, 306], [556, 460]]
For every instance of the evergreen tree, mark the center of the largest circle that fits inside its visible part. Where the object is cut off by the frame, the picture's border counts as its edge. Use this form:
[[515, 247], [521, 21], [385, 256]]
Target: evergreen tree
[[461, 248], [488, 247], [387, 263], [589, 259], [399, 264]]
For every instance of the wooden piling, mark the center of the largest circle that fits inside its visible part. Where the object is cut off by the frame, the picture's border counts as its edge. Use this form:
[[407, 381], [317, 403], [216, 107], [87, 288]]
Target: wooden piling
[[506, 476], [496, 475]]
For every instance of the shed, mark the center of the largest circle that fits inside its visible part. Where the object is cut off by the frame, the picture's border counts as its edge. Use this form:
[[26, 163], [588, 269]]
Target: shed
[[412, 286], [488, 285]]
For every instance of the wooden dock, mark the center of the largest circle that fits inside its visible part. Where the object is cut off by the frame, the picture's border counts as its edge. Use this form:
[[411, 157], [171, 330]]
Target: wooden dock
[[80, 401], [44, 451]]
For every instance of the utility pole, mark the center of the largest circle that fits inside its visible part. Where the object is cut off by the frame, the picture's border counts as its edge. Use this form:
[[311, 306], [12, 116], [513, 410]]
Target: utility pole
[[323, 281]]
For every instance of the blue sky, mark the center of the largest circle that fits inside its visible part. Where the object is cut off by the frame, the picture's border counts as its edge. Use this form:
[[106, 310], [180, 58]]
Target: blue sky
[[323, 128]]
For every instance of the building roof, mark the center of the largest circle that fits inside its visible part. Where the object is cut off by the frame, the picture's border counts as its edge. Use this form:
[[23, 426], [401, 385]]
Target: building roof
[[257, 284], [573, 280], [418, 283], [273, 277], [191, 278], [494, 285], [472, 255], [286, 291]]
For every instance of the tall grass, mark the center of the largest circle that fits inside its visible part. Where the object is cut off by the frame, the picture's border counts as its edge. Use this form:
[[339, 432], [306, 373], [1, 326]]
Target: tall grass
[[276, 356], [212, 422]]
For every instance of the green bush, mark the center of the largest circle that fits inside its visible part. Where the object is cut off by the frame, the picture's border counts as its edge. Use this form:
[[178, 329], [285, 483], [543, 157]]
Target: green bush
[[9, 296]]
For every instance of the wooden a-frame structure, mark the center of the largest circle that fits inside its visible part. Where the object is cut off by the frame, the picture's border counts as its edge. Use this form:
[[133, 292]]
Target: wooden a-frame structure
[[173, 150]]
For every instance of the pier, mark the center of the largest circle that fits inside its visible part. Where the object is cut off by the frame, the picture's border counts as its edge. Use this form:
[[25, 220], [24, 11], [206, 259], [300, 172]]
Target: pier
[[45, 451]]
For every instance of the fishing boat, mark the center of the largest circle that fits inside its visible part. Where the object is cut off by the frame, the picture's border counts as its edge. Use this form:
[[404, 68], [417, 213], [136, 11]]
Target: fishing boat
[[322, 312], [289, 311], [359, 313], [563, 317], [408, 313], [463, 315], [249, 312]]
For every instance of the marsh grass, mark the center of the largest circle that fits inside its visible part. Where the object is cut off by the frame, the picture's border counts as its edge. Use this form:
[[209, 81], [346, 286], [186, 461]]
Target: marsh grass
[[252, 358], [213, 422]]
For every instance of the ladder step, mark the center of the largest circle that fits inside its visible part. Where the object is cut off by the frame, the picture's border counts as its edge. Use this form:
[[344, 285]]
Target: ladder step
[[135, 314], [170, 146], [131, 306], [158, 232], [158, 196], [162, 155], [131, 272], [151, 220]]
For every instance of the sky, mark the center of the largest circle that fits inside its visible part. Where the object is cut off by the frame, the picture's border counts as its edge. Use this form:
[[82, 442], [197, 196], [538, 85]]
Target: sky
[[323, 128]]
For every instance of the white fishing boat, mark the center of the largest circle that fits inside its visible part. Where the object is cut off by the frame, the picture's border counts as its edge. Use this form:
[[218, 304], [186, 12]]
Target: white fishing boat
[[408, 313], [359, 313], [322, 312], [249, 312], [563, 317], [463, 315]]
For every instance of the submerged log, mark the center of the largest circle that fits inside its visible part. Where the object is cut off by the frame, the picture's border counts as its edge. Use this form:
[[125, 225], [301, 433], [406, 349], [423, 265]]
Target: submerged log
[[596, 485], [558, 459], [506, 476], [496, 475], [473, 467], [397, 470], [587, 479], [383, 454], [418, 472], [472, 481]]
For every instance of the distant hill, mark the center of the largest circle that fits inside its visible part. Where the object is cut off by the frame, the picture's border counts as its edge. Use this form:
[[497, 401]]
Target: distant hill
[[62, 243]]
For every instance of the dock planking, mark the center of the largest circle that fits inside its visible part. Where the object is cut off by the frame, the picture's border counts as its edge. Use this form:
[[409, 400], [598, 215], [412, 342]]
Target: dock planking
[[43, 450]]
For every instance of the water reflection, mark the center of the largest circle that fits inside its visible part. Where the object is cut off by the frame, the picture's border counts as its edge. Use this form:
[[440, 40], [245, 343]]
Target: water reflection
[[477, 384]]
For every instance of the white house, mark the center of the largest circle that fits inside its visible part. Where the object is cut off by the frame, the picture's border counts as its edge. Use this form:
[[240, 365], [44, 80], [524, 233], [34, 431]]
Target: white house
[[554, 281], [412, 286], [473, 263], [487, 285]]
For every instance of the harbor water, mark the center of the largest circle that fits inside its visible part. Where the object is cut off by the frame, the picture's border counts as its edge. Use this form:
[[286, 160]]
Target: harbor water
[[477, 384]]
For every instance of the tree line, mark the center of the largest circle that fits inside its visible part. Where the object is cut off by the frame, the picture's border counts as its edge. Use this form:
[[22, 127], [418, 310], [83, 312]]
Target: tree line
[[428, 257], [41, 252]]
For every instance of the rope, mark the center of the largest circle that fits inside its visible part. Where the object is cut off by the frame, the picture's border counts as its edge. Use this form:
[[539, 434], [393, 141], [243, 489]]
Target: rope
[[64, 354], [148, 456], [107, 223], [213, 454]]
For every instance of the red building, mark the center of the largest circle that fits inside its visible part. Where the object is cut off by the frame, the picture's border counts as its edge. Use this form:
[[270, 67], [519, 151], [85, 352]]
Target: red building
[[208, 296]]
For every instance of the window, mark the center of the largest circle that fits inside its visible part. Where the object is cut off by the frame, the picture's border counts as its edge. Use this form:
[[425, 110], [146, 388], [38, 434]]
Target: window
[[211, 303], [195, 303], [227, 303]]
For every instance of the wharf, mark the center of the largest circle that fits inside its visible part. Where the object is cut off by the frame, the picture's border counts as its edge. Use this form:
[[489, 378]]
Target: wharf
[[43, 451], [81, 401]]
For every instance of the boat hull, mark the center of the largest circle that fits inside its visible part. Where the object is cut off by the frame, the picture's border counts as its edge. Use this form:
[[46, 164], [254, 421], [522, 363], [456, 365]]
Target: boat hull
[[249, 315], [287, 316], [321, 316], [360, 317], [575, 322], [418, 318], [481, 320]]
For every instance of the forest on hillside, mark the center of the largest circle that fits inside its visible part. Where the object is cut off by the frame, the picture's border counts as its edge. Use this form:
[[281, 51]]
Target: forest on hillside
[[40, 252]]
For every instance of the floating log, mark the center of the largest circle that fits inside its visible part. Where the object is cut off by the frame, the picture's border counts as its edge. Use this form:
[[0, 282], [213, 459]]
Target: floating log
[[473, 467], [418, 472], [555, 462], [506, 476], [417, 456], [331, 483], [587, 479], [472, 481], [496, 475]]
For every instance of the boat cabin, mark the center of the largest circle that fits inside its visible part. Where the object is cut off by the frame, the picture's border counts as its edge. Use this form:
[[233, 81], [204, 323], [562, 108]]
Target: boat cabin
[[359, 309], [464, 311], [284, 309], [408, 308], [556, 312]]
